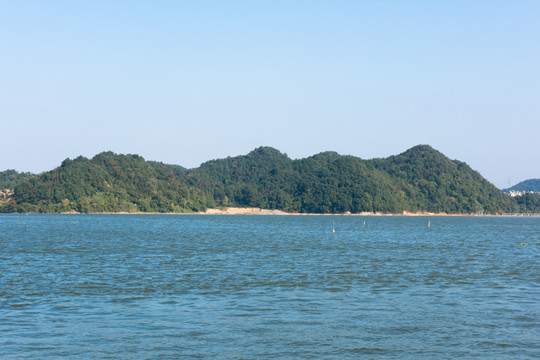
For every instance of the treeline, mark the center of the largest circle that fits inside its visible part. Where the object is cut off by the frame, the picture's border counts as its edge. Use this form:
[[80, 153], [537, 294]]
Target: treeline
[[421, 179], [529, 203]]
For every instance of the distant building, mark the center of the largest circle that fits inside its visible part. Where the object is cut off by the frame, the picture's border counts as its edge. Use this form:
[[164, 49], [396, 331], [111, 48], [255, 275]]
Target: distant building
[[514, 193]]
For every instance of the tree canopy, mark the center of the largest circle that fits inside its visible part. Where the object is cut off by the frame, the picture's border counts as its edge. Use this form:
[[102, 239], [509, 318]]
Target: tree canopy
[[420, 179]]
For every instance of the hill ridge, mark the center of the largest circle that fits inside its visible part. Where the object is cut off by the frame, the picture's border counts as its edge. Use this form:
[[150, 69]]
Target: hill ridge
[[530, 185], [421, 179]]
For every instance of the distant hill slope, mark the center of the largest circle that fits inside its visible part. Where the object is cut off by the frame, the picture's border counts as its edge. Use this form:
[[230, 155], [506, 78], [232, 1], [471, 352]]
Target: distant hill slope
[[420, 179], [531, 185], [529, 203]]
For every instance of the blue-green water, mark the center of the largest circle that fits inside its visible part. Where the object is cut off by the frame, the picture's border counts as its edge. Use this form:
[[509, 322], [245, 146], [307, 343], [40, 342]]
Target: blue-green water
[[268, 287]]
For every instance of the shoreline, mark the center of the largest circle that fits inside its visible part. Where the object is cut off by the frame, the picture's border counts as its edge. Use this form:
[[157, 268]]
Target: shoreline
[[259, 211]]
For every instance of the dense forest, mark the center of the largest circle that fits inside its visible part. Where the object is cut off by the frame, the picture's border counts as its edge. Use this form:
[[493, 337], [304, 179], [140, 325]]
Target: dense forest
[[529, 203], [420, 179], [9, 178], [107, 183]]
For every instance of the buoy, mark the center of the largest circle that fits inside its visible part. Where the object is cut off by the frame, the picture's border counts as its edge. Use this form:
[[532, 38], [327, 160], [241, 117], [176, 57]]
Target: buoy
[[428, 224]]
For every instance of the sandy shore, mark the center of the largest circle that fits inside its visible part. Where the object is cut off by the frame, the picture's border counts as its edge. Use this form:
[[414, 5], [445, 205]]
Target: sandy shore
[[244, 211], [258, 211]]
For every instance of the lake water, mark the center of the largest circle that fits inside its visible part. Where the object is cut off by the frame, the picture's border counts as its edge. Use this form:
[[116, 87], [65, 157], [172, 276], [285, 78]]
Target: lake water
[[268, 287]]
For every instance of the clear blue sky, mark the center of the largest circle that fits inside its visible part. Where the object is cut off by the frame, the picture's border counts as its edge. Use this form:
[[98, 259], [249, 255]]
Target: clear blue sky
[[184, 82]]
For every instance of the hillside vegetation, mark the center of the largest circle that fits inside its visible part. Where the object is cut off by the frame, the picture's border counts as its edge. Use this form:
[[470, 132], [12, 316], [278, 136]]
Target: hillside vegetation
[[420, 179], [10, 178], [531, 185], [108, 183]]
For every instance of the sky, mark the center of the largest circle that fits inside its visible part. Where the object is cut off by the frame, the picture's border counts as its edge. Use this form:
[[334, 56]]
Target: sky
[[184, 82]]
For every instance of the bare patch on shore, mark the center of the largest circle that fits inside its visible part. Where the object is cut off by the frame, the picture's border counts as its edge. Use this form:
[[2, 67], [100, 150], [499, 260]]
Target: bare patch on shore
[[244, 211], [258, 211]]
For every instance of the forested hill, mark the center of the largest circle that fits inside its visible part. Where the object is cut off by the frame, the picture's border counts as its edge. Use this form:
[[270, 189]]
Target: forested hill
[[529, 201], [420, 179], [531, 185], [431, 181], [107, 183]]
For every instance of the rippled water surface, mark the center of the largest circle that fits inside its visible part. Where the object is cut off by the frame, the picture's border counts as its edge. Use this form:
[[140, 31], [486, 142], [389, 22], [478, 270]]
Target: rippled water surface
[[268, 287]]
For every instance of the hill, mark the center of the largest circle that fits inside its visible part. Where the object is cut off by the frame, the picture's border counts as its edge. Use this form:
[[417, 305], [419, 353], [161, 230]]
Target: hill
[[430, 181], [108, 183], [324, 183], [531, 185], [420, 179]]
